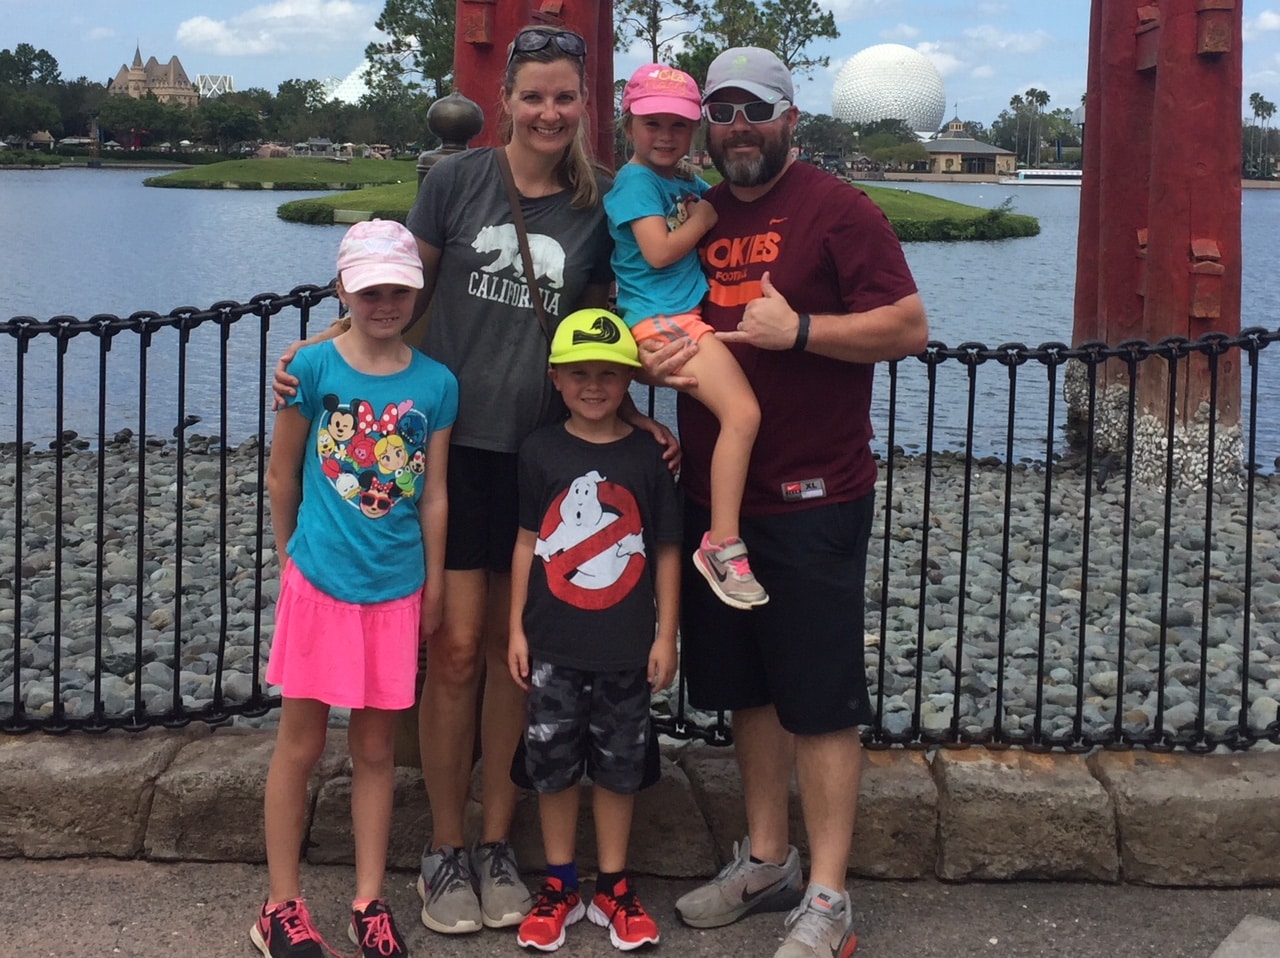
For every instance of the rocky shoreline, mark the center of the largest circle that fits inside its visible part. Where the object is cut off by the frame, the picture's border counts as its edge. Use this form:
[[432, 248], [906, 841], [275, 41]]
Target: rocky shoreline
[[1049, 644]]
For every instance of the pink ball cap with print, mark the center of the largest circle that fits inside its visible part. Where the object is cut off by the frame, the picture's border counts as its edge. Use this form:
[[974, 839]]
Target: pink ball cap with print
[[377, 252], [753, 69], [658, 88]]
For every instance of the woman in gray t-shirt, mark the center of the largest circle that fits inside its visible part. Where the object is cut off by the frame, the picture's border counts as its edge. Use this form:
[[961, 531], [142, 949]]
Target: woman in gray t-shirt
[[483, 327]]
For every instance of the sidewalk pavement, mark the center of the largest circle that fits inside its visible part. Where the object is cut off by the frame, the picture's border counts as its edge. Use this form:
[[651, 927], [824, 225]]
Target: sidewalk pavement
[[1092, 836], [103, 908]]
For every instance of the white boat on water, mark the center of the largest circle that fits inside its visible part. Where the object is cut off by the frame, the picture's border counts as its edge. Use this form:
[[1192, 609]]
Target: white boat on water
[[1043, 178]]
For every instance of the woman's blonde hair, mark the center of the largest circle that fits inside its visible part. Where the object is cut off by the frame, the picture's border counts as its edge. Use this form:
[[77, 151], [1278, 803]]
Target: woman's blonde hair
[[578, 165]]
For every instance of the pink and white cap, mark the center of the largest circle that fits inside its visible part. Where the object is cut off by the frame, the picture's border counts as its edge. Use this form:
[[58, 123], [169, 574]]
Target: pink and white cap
[[377, 252], [658, 88]]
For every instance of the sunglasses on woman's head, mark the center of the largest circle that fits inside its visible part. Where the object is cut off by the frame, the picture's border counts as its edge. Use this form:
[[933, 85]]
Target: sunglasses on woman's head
[[534, 39], [757, 111]]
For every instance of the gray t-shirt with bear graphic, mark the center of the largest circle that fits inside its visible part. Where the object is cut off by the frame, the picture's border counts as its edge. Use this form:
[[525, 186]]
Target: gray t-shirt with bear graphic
[[482, 325]]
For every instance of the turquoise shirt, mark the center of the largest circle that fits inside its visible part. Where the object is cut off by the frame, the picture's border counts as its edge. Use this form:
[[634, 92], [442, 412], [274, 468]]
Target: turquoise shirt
[[643, 291], [358, 537]]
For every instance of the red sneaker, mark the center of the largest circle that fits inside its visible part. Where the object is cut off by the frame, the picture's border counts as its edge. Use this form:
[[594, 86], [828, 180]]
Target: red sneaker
[[620, 911], [553, 912]]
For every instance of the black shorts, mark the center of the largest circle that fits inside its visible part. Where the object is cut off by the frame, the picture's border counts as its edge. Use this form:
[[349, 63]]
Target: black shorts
[[597, 722], [484, 503], [802, 652]]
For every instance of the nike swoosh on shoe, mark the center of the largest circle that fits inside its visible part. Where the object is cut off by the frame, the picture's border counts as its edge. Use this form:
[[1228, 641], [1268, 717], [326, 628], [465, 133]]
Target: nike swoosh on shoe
[[751, 895]]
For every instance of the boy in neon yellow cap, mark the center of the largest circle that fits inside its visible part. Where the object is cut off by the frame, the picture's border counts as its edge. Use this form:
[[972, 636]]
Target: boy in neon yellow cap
[[595, 582]]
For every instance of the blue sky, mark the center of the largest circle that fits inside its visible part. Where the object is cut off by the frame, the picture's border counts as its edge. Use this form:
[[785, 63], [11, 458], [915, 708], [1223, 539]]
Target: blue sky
[[986, 50]]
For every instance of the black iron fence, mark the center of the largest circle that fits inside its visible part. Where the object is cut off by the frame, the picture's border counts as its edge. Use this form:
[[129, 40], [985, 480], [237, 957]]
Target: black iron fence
[[1052, 566]]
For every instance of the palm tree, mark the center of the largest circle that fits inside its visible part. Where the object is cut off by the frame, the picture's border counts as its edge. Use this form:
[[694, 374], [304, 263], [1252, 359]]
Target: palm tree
[[1015, 104], [1042, 101], [1255, 102], [1267, 111], [1038, 100], [1030, 97]]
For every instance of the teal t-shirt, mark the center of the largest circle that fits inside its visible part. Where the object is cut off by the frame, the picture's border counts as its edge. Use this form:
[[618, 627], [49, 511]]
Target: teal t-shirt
[[642, 290], [358, 537]]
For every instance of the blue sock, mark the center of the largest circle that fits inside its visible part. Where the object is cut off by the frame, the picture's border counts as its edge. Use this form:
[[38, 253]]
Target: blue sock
[[568, 875]]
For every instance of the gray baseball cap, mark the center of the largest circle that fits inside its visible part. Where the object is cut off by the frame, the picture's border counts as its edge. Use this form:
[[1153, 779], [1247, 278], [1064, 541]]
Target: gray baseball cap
[[753, 69]]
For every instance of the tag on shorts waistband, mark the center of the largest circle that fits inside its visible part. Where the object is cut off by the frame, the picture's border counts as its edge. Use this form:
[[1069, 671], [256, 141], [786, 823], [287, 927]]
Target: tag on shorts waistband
[[801, 489]]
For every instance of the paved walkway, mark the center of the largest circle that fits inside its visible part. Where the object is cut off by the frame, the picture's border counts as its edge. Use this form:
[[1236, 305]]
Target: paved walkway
[[86, 908], [79, 814]]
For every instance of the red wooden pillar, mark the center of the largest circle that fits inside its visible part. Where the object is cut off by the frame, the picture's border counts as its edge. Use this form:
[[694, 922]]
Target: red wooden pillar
[[485, 29], [1111, 249], [1158, 252], [1194, 246], [1110, 263], [1087, 323]]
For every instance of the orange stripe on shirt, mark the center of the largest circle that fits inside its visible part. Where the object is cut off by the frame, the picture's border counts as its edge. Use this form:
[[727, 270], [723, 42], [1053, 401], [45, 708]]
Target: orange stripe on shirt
[[735, 294]]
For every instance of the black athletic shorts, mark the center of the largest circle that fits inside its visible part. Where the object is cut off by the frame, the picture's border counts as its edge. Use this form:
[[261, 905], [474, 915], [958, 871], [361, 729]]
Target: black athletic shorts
[[484, 503], [597, 722], [802, 652]]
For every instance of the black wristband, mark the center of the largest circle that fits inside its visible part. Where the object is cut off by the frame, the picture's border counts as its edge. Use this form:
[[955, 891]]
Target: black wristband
[[802, 334]]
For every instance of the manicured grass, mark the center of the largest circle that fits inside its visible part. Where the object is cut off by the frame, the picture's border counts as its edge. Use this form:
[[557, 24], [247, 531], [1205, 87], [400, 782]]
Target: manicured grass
[[390, 202], [904, 203], [294, 173], [915, 216]]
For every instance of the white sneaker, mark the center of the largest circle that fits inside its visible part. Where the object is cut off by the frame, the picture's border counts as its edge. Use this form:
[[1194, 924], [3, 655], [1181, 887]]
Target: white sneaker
[[821, 926]]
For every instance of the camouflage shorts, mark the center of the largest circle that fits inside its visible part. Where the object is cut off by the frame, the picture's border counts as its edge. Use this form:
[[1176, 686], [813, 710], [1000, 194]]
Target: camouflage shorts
[[593, 722]]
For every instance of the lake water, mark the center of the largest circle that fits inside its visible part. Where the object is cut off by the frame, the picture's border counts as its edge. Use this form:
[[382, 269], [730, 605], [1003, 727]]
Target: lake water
[[82, 242]]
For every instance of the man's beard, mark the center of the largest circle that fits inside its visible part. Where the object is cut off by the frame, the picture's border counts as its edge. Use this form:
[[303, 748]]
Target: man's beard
[[759, 170]]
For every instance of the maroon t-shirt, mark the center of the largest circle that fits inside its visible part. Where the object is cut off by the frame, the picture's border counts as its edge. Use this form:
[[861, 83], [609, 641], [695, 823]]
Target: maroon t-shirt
[[827, 249]]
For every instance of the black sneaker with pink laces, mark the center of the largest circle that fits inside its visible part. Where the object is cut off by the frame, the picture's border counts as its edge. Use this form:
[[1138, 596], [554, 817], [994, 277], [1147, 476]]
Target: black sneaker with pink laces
[[287, 932], [374, 932]]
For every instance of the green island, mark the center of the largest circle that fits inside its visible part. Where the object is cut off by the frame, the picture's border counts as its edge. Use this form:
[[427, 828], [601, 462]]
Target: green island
[[385, 189]]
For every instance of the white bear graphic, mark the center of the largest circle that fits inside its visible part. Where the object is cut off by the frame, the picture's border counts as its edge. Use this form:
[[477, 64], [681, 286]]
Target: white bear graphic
[[546, 253], [581, 515]]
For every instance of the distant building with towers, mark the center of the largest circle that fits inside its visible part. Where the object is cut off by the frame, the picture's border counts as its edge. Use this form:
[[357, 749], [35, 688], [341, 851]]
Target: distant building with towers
[[167, 82]]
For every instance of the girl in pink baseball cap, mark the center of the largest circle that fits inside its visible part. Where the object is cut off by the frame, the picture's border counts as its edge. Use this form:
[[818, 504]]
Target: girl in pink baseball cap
[[360, 540], [657, 217]]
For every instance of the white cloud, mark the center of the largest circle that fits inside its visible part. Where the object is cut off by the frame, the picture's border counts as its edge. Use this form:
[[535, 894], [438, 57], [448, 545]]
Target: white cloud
[[900, 33], [100, 33], [989, 38], [1267, 20], [860, 9], [946, 62], [279, 27], [1262, 79], [984, 72]]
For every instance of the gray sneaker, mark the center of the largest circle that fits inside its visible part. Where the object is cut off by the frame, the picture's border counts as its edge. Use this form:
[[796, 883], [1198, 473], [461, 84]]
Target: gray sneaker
[[448, 894], [504, 898], [743, 886], [820, 927], [728, 572]]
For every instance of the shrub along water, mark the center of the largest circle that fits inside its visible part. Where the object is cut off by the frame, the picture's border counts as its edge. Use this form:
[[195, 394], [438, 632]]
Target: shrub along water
[[914, 216], [386, 189]]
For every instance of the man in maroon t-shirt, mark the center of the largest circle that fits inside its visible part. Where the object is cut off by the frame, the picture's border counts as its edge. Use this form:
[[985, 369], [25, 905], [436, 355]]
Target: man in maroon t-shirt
[[809, 288]]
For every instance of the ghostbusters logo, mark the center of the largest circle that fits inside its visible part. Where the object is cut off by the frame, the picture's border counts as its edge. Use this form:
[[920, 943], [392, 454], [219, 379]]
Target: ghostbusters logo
[[591, 542]]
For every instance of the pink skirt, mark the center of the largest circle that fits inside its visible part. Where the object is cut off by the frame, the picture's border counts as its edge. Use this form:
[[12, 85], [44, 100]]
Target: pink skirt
[[340, 653]]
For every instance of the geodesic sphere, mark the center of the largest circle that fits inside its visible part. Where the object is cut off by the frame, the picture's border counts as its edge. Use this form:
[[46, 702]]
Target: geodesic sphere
[[890, 82]]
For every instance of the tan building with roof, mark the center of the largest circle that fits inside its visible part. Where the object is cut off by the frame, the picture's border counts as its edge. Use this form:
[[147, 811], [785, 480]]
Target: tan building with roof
[[955, 151], [167, 82]]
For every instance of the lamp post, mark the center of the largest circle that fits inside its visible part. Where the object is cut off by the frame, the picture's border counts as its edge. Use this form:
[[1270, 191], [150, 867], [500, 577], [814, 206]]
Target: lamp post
[[455, 120]]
